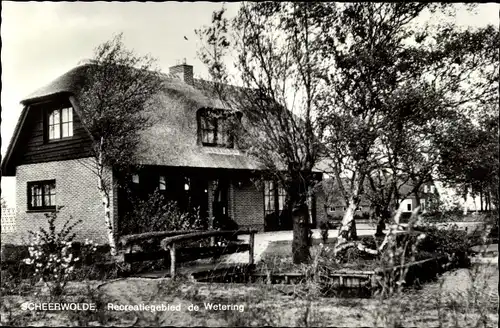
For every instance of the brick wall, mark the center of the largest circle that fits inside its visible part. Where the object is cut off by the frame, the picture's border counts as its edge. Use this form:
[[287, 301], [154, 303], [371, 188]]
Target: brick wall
[[8, 220], [320, 207], [76, 190], [248, 206]]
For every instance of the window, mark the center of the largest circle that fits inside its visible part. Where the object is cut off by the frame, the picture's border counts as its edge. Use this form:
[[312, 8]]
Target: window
[[162, 182], [432, 189], [425, 188], [60, 123], [274, 198], [208, 131], [135, 178], [215, 129], [42, 195], [408, 207]]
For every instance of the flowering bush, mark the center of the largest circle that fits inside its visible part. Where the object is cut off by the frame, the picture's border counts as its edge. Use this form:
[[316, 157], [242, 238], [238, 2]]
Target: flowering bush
[[51, 254]]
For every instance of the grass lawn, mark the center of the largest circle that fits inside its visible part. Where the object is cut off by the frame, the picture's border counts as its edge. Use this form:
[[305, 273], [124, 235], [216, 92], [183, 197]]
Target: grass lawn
[[260, 305]]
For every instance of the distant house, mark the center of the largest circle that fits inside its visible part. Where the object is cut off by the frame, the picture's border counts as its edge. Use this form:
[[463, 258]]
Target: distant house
[[428, 196], [188, 155]]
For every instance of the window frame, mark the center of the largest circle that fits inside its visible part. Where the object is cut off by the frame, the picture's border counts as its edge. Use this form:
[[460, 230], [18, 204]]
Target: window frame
[[60, 124], [274, 198], [214, 121], [52, 196]]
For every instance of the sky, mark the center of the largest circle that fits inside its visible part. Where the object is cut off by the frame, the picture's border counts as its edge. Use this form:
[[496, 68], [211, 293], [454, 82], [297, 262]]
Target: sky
[[42, 40]]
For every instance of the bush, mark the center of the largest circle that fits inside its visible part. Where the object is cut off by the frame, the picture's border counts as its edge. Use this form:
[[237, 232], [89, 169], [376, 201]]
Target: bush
[[448, 216], [51, 255], [158, 214], [453, 243]]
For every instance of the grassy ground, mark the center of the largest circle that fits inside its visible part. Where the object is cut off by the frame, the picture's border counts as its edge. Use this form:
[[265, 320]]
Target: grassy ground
[[460, 298]]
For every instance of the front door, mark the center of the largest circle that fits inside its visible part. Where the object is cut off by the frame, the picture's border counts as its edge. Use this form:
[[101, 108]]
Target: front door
[[220, 203]]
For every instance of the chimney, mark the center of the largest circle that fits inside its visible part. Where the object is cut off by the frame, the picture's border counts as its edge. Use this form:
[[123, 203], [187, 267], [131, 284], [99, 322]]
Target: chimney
[[184, 72]]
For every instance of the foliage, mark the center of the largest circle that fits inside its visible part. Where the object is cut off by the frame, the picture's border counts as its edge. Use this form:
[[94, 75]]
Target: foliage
[[451, 242], [156, 213], [394, 86], [50, 253], [95, 296], [469, 152], [118, 89]]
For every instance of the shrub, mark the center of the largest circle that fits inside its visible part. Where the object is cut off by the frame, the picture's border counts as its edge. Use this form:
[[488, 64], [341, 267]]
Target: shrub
[[51, 255], [451, 242], [158, 214]]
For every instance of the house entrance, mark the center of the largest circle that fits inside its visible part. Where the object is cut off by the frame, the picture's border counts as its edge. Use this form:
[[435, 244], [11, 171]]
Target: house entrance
[[220, 203]]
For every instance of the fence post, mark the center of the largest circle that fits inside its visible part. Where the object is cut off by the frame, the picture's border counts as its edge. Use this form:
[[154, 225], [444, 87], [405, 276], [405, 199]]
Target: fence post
[[172, 261], [251, 248]]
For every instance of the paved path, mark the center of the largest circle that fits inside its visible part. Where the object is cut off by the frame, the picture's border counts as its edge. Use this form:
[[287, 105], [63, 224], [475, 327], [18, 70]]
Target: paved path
[[263, 239]]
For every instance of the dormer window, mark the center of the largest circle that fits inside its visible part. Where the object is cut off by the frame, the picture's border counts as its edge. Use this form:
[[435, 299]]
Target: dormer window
[[60, 123], [214, 128]]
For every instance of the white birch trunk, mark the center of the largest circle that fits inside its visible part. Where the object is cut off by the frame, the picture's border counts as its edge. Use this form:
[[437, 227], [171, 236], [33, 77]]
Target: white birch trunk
[[104, 190], [465, 203], [107, 216], [347, 222]]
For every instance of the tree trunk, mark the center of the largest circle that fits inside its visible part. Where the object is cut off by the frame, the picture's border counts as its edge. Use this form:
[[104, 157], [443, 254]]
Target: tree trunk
[[347, 230], [300, 218], [300, 244], [481, 199], [107, 215], [383, 215], [465, 203]]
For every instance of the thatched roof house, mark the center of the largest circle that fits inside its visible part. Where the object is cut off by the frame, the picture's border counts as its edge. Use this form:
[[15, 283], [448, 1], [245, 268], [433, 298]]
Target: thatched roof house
[[172, 139], [52, 169]]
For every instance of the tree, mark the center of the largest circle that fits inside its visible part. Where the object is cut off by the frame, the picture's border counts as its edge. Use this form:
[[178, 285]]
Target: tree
[[278, 74], [392, 86], [364, 42], [469, 153], [118, 88], [455, 74]]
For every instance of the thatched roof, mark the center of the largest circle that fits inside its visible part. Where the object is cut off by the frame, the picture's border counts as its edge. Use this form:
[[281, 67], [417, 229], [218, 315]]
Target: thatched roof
[[172, 139]]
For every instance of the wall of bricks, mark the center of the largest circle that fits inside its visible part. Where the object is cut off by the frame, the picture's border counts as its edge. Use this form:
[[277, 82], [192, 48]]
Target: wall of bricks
[[8, 220], [248, 205], [320, 207], [76, 190]]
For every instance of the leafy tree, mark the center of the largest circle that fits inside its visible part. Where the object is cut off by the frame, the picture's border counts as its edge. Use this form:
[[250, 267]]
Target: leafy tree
[[278, 71], [393, 85], [117, 90], [470, 159]]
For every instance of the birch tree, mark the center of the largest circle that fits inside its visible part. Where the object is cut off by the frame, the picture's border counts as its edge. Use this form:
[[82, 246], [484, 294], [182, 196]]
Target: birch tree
[[394, 83], [117, 89]]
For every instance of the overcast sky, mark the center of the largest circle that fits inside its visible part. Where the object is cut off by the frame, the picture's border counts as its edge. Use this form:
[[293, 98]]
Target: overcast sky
[[42, 40]]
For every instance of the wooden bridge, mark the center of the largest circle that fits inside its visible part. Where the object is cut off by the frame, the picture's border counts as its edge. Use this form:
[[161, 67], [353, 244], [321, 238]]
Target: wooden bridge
[[170, 246]]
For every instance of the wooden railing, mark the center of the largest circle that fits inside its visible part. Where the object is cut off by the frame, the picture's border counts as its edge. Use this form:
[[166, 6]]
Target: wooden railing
[[171, 252], [129, 241], [169, 244]]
